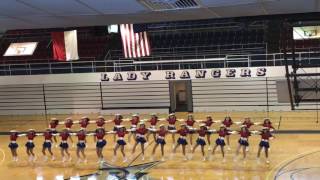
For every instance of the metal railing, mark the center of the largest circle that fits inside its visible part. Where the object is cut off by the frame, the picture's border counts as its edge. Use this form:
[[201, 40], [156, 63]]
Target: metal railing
[[207, 61]]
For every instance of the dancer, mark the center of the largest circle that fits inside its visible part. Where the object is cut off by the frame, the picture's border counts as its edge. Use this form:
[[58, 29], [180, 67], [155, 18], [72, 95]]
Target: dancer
[[64, 146], [190, 122], [100, 122], [201, 140], [160, 140], [101, 142], [47, 144], [120, 133], [54, 122], [243, 141], [84, 122], [140, 138], [153, 123], [31, 134], [222, 133], [13, 145], [135, 120], [264, 143], [183, 131], [81, 145], [118, 119], [228, 122]]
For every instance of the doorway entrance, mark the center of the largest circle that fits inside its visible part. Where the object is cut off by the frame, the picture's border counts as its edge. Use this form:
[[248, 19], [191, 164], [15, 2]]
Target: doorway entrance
[[180, 96]]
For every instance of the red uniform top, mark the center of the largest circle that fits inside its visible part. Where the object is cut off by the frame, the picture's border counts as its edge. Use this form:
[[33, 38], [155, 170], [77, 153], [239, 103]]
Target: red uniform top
[[84, 123], [14, 136], [162, 133], [64, 136], [81, 135], [135, 121], [47, 135], [100, 133], [208, 123], [202, 133], [100, 122], [54, 124], [227, 123], [153, 121], [182, 132], [31, 135], [121, 134], [268, 125], [142, 131], [117, 122], [68, 123], [222, 133], [172, 121], [190, 122], [245, 134], [266, 135], [247, 124]]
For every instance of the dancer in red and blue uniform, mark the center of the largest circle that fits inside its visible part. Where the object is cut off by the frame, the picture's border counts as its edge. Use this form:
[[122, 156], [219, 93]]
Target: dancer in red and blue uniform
[[135, 120], [140, 138], [160, 140], [153, 125], [101, 142], [64, 146], [227, 122], [190, 122], [81, 145], [202, 132], [182, 140], [120, 133], [13, 145], [264, 143], [31, 134], [47, 144], [222, 133], [244, 140]]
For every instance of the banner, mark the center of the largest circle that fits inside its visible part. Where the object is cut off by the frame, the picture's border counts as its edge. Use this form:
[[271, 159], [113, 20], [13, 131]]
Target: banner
[[187, 74], [21, 49]]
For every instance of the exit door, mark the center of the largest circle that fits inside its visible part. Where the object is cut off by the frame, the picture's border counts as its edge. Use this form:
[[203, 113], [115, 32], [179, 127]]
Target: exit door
[[180, 96]]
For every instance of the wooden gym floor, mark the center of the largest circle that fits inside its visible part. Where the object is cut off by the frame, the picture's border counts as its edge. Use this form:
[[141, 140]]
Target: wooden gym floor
[[295, 154]]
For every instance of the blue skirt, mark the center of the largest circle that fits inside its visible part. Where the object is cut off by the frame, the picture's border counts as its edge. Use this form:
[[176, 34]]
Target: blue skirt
[[64, 145], [30, 145], [182, 141], [121, 142], [201, 142], [115, 129], [81, 145], [101, 144], [220, 142], [13, 146], [141, 140], [264, 144], [161, 141], [46, 145], [243, 143]]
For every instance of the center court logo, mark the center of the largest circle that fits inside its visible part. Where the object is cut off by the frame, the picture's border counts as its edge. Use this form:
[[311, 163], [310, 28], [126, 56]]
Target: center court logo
[[109, 172]]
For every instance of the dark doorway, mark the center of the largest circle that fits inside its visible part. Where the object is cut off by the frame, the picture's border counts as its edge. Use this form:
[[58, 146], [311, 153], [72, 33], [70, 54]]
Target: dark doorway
[[180, 96]]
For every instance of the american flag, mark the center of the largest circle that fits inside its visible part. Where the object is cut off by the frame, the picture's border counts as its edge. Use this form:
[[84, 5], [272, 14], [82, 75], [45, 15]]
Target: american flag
[[135, 40]]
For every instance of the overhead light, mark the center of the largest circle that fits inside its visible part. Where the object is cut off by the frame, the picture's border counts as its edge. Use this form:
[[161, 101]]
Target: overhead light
[[165, 5]]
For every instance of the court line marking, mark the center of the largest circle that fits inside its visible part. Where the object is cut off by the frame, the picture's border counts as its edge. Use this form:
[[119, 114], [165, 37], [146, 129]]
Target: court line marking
[[286, 162], [4, 156]]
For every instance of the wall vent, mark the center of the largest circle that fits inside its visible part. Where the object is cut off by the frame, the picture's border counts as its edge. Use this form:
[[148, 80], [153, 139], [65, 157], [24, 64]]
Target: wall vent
[[165, 5]]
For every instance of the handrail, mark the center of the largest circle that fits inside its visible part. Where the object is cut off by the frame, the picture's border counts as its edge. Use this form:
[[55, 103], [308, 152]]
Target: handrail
[[196, 62]]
